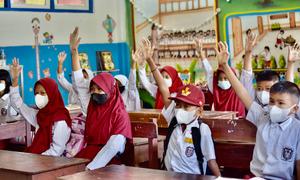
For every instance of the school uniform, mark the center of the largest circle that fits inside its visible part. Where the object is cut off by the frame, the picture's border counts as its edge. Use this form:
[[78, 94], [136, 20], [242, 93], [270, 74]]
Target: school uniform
[[277, 146], [180, 155], [72, 97], [130, 95], [6, 109], [51, 143]]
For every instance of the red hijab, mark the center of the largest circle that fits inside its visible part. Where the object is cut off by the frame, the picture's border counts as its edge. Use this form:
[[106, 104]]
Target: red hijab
[[54, 111], [108, 119], [176, 83], [226, 100]]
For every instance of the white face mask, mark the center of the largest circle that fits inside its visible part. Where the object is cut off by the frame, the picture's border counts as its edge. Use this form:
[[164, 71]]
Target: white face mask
[[224, 84], [185, 117], [2, 86], [168, 82], [41, 101], [278, 115], [263, 97]]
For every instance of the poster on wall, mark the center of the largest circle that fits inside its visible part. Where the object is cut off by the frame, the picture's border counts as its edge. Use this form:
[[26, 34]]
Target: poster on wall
[[104, 61], [1, 3]]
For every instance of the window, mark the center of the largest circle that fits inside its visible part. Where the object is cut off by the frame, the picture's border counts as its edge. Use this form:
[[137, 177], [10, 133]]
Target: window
[[47, 5]]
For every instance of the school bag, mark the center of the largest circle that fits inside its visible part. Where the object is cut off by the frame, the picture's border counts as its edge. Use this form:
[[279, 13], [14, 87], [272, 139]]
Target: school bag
[[76, 142], [196, 136]]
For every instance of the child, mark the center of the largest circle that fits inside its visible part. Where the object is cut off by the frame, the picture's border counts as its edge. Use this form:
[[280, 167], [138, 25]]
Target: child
[[277, 149], [128, 89], [280, 39], [186, 108], [264, 79], [267, 57], [171, 77], [224, 97], [52, 119], [5, 105], [107, 122], [73, 95]]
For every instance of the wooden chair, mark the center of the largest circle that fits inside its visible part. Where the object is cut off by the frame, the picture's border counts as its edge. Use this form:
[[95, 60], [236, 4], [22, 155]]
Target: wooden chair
[[146, 130]]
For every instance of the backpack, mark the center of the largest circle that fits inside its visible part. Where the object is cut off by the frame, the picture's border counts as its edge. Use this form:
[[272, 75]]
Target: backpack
[[196, 136], [76, 142]]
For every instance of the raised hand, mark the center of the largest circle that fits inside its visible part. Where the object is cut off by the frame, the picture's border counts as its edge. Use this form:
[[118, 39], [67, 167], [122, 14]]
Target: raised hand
[[251, 41], [294, 53], [74, 39], [138, 57], [199, 48], [62, 57], [15, 70], [147, 50], [222, 53]]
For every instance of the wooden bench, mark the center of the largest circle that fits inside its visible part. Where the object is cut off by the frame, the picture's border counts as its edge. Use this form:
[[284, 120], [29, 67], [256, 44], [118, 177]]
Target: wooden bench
[[132, 173], [19, 166]]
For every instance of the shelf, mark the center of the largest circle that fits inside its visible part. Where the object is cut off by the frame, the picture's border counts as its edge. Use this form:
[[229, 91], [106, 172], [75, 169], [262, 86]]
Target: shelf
[[276, 70], [176, 47]]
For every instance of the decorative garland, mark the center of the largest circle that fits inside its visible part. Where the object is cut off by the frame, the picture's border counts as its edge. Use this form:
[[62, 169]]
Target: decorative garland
[[165, 28]]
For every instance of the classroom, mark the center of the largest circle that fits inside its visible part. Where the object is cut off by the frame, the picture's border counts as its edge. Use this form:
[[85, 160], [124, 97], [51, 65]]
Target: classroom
[[149, 89]]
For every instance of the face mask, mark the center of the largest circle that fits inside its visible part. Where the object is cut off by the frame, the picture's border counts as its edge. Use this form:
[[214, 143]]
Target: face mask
[[224, 85], [2, 86], [168, 82], [41, 101], [121, 89], [99, 98], [263, 97], [278, 115], [185, 117]]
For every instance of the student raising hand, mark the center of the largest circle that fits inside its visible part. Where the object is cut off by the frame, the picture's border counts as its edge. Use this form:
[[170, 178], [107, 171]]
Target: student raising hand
[[162, 86], [250, 44], [222, 57], [137, 58], [15, 70], [61, 59], [293, 56], [74, 43], [199, 49]]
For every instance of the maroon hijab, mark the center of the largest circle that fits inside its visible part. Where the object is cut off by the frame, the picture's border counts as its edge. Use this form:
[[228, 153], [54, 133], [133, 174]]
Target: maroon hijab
[[226, 100], [176, 83], [54, 111]]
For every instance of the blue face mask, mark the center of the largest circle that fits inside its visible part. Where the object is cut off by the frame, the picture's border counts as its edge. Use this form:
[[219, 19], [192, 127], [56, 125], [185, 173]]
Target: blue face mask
[[224, 84], [2, 86]]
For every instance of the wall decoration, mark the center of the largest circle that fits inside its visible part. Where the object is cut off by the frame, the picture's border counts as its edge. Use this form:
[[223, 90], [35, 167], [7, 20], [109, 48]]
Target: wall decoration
[[46, 72], [48, 17], [84, 60], [30, 74], [36, 30], [104, 61], [48, 37], [109, 25]]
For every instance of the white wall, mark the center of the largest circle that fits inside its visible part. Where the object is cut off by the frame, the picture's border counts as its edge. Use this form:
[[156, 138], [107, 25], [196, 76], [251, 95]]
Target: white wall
[[15, 27], [148, 7]]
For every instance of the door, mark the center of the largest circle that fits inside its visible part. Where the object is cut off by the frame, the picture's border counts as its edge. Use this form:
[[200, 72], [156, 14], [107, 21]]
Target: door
[[260, 25], [292, 20], [237, 35]]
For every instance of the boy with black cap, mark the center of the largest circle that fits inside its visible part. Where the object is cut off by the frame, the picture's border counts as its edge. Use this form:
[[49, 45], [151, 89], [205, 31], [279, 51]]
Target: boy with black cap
[[183, 113]]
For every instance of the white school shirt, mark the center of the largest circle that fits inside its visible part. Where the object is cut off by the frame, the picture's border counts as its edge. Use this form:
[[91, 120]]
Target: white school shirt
[[60, 130], [115, 144], [209, 74], [181, 156], [247, 81], [130, 95], [6, 109], [277, 146], [73, 97]]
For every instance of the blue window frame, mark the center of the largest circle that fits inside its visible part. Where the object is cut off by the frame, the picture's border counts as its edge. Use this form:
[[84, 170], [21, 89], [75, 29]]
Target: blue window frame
[[48, 6]]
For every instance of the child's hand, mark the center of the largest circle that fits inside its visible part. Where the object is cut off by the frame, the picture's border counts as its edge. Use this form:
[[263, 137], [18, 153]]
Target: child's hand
[[15, 69], [222, 53], [294, 53], [250, 42], [62, 57], [74, 39], [199, 48], [137, 57], [147, 50]]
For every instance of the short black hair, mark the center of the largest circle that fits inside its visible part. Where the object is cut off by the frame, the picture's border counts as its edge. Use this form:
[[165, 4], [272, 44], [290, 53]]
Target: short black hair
[[281, 30], [286, 87], [267, 47], [267, 75], [248, 30], [4, 75]]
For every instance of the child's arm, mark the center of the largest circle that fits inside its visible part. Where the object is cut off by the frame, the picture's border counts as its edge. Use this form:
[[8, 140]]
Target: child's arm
[[293, 56], [212, 164], [163, 88], [114, 145], [298, 169], [247, 75], [17, 102], [132, 88], [60, 73], [74, 43], [207, 67], [223, 56]]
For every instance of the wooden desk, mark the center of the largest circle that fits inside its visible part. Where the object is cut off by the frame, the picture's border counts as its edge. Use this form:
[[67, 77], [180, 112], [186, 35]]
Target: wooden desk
[[11, 129], [19, 166], [132, 173]]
